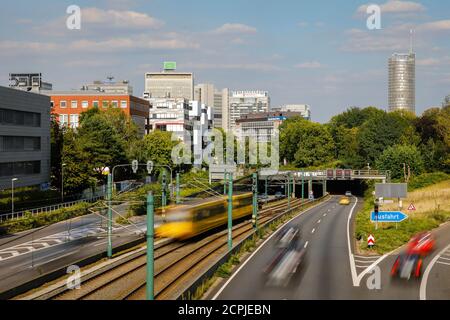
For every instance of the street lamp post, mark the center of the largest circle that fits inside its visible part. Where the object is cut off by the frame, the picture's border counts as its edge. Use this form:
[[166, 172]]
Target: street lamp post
[[62, 181], [12, 194]]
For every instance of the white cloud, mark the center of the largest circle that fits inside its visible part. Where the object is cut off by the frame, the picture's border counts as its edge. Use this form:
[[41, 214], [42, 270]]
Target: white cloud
[[234, 66], [435, 26], [309, 65], [95, 19], [232, 28], [131, 44], [395, 6], [25, 48], [119, 19], [138, 43], [433, 62], [389, 39]]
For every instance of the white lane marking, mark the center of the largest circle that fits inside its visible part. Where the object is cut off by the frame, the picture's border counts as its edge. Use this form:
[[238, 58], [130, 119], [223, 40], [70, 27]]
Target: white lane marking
[[442, 258], [260, 247], [366, 257], [445, 263], [318, 222], [306, 244], [370, 268], [313, 230], [101, 243], [364, 261], [350, 254], [423, 283]]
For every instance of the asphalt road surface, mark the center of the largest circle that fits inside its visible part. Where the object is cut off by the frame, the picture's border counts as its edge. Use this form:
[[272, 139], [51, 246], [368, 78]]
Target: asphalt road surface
[[330, 270], [27, 255]]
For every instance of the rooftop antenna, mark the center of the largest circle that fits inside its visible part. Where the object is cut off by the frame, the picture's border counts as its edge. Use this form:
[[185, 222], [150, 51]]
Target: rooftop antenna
[[411, 50], [110, 78]]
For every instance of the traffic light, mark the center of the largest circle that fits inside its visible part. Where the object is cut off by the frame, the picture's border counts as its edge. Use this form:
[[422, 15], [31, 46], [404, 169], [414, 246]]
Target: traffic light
[[377, 208]]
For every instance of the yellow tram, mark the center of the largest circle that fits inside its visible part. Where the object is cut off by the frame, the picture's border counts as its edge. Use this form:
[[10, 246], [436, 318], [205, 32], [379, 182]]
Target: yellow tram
[[187, 220]]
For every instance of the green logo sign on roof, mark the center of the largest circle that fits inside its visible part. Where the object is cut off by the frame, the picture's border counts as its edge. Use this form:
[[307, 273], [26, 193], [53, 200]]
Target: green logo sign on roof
[[170, 65]]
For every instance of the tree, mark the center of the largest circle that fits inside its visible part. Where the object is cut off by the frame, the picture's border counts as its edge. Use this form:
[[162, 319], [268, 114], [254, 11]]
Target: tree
[[290, 135], [380, 132], [157, 147], [433, 128], [355, 117], [56, 149], [315, 147], [78, 170], [395, 157]]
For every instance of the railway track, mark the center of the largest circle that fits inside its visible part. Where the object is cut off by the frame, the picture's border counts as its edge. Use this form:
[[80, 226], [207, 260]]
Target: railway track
[[176, 263]]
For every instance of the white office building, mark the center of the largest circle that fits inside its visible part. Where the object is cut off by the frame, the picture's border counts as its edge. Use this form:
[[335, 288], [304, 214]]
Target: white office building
[[201, 116], [169, 84], [242, 103], [402, 82], [218, 99], [170, 115]]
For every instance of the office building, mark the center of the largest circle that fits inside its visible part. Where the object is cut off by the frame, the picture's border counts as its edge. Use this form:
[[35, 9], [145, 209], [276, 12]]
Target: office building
[[169, 84], [303, 109], [68, 105], [120, 87], [242, 103], [28, 82], [402, 82], [201, 117], [262, 126], [218, 99], [24, 138], [171, 115]]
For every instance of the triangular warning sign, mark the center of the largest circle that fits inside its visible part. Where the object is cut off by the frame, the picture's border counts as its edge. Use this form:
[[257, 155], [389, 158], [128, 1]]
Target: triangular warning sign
[[412, 207]]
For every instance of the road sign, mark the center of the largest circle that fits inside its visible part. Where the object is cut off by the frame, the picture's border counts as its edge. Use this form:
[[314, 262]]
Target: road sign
[[387, 216], [149, 167], [412, 207], [371, 240], [135, 165], [391, 190]]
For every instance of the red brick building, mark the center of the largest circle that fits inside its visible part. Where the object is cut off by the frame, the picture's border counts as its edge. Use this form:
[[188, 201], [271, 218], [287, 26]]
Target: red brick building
[[68, 105]]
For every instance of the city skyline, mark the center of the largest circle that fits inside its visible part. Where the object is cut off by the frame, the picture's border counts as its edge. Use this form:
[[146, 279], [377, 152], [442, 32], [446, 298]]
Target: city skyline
[[323, 56]]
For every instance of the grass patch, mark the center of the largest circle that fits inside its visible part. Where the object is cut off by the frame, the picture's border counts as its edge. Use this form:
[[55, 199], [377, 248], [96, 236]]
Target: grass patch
[[433, 208]]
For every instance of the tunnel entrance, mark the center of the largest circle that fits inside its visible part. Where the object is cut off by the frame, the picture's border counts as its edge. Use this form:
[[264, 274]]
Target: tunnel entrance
[[334, 187], [339, 187]]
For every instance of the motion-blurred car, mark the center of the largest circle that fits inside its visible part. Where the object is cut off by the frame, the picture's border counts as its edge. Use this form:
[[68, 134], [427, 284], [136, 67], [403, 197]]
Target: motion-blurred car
[[409, 263], [289, 254], [345, 201], [407, 266], [421, 244], [348, 194]]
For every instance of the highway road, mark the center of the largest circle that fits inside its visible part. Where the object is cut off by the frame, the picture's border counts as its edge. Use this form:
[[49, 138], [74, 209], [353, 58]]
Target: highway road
[[331, 270], [27, 255]]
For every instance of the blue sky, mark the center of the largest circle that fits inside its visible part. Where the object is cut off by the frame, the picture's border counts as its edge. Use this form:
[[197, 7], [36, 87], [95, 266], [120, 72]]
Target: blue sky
[[315, 52]]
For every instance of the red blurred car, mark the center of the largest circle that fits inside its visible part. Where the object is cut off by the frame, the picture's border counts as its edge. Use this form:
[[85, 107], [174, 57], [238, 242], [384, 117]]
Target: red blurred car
[[421, 244], [409, 263]]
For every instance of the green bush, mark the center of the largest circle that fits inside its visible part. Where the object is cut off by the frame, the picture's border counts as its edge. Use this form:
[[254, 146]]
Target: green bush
[[28, 221], [427, 179]]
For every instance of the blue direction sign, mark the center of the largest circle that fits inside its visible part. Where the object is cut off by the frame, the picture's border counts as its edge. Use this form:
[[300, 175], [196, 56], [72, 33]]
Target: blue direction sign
[[387, 216]]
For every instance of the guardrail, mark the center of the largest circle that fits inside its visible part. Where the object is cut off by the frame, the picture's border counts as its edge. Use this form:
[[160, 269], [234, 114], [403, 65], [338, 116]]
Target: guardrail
[[47, 209]]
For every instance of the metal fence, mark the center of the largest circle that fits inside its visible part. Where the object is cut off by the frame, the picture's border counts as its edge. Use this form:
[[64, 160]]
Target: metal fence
[[90, 196], [47, 209]]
